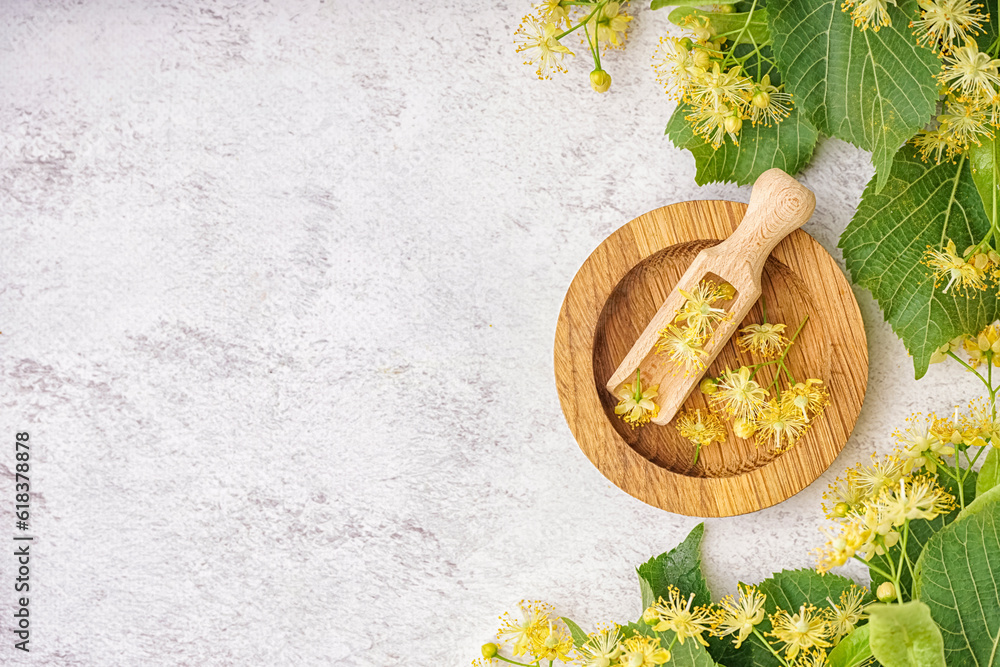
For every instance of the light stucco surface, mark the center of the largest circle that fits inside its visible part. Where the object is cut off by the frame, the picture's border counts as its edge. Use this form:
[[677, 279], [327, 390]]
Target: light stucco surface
[[278, 289]]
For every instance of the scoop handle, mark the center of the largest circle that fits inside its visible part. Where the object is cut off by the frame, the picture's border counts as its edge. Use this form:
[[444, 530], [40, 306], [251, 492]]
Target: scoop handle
[[778, 206]]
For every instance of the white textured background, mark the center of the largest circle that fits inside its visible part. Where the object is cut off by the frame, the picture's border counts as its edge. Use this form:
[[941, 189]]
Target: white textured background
[[278, 289]]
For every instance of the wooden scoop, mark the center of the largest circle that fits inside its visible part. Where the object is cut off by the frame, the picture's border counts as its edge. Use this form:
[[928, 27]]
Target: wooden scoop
[[778, 206]]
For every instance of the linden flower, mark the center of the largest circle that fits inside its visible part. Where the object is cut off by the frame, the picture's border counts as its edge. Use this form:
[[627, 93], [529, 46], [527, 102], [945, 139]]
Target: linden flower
[[537, 41], [710, 124], [768, 104], [636, 404], [801, 631], [642, 651], [943, 23], [936, 143], [739, 396], [602, 648], [764, 339], [717, 89], [674, 614], [984, 346], [552, 11], [879, 474], [965, 123], [919, 447], [780, 425], [970, 71], [843, 495], [676, 65], [947, 264], [815, 658], [697, 311], [521, 632], [869, 13], [552, 645], [808, 396], [920, 498], [684, 346], [609, 25], [700, 427], [739, 619], [844, 617], [845, 540]]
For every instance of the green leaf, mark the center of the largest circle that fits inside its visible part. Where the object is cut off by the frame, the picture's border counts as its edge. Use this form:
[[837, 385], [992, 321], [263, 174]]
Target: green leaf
[[787, 145], [740, 28], [790, 589], [680, 567], [984, 161], [660, 4], [905, 635], [872, 89], [752, 653], [647, 593], [957, 578], [689, 654], [853, 650], [989, 474], [579, 636], [920, 532], [981, 503], [924, 205]]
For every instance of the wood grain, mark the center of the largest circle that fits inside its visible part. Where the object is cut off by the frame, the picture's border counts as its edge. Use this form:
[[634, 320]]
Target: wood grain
[[778, 206], [616, 293]]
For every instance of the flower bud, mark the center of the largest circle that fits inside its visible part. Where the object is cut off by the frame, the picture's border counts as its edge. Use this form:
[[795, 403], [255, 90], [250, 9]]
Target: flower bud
[[761, 99], [733, 124], [980, 261], [650, 616], [841, 509], [701, 58], [886, 592], [726, 291], [743, 429], [708, 386], [687, 43], [489, 650], [600, 80]]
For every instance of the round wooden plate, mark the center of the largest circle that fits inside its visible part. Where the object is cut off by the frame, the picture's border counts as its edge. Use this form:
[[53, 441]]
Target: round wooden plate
[[615, 294]]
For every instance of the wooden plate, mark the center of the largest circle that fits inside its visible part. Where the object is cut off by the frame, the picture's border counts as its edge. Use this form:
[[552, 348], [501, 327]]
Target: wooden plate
[[615, 294]]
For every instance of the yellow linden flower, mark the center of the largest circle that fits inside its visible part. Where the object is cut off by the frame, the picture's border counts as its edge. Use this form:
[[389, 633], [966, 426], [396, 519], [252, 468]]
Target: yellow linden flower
[[814, 658], [916, 498], [869, 13], [969, 71], [964, 430], [642, 651], [947, 264], [537, 41], [965, 122], [801, 631], [636, 404], [552, 645], [739, 396], [697, 312], [602, 648], [739, 619], [944, 23], [779, 425], [609, 25], [684, 346], [674, 614], [768, 104], [552, 11], [879, 474], [676, 62], [845, 616], [717, 89], [845, 541], [520, 633], [710, 124], [766, 339], [919, 447], [985, 345], [842, 496], [700, 427], [936, 143], [809, 397]]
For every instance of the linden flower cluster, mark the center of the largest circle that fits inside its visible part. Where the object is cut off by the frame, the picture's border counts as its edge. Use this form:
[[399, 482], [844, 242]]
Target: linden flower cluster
[[704, 71], [532, 633], [683, 341], [983, 348], [604, 25]]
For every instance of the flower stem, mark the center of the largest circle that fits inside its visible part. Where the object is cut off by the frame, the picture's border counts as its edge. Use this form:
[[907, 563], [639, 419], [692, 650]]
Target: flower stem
[[500, 657], [959, 360], [769, 647], [781, 359]]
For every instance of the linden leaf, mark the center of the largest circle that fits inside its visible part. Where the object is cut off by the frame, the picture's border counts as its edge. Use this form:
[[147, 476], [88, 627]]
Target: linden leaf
[[787, 145], [790, 589], [680, 568], [989, 474], [690, 653], [923, 205], [904, 635], [956, 577], [872, 89], [742, 27], [984, 163], [660, 4], [853, 650]]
